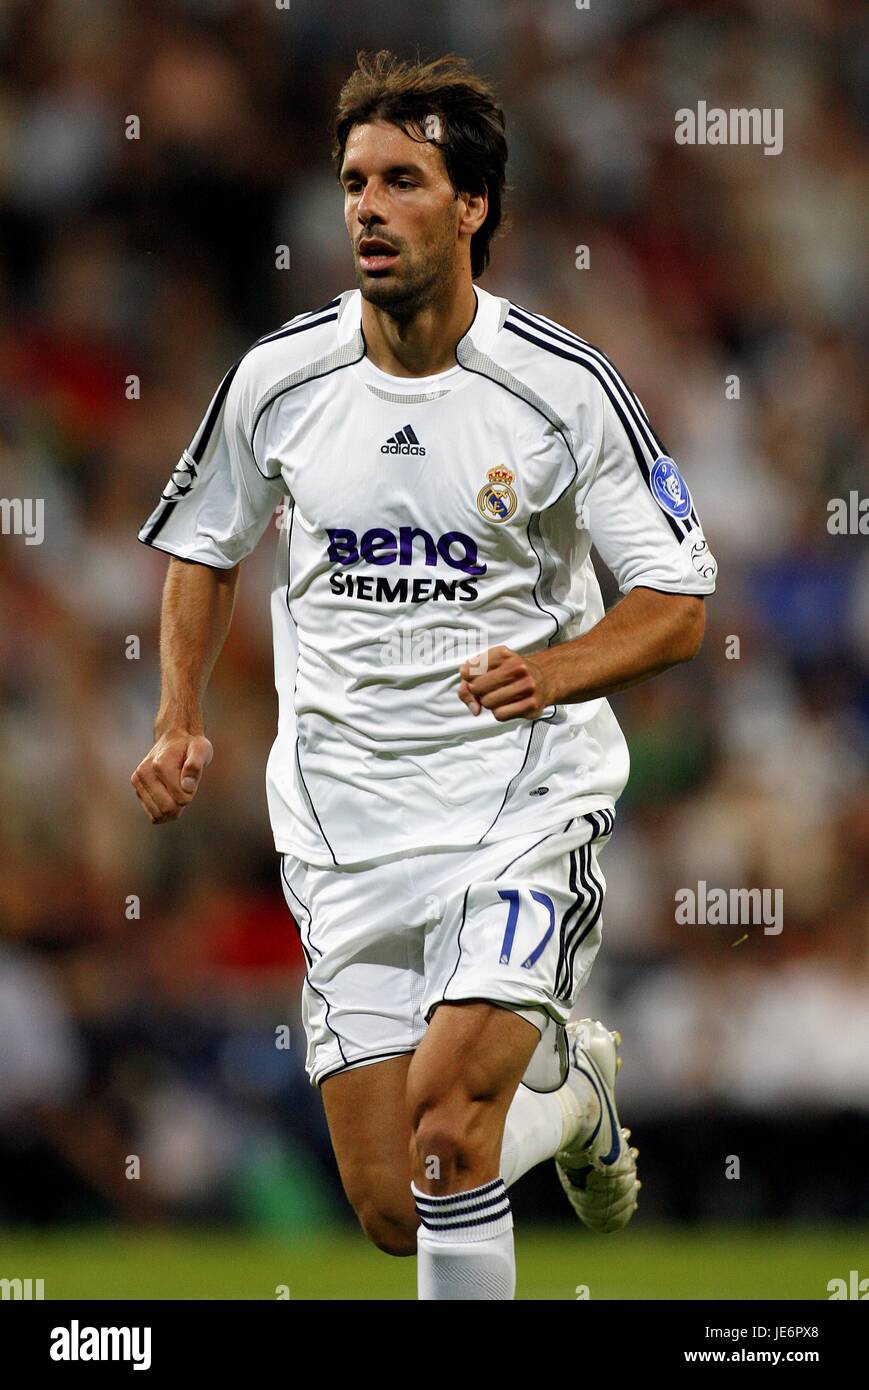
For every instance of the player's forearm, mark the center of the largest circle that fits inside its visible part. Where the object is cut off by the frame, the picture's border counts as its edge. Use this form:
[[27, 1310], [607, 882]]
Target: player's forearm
[[197, 610], [644, 634]]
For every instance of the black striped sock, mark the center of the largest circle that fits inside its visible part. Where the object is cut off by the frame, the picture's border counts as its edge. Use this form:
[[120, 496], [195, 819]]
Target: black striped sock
[[476, 1214]]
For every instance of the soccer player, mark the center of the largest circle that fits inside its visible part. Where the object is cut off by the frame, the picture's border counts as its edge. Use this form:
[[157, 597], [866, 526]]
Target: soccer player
[[446, 765]]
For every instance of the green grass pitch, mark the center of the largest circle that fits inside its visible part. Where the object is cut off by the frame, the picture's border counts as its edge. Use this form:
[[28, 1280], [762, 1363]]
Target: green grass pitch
[[769, 1262]]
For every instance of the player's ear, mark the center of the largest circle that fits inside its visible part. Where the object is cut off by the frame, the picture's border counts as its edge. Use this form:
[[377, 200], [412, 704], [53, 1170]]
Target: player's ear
[[476, 211]]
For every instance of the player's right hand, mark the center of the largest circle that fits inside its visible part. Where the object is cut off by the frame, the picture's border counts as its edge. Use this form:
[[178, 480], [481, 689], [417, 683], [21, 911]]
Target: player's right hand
[[168, 778]]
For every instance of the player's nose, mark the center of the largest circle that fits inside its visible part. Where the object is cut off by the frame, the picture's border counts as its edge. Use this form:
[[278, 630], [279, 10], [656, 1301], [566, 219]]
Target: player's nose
[[370, 208]]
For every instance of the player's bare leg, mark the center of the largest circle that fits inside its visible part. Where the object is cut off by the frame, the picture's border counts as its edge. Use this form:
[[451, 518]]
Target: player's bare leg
[[460, 1085], [369, 1124], [461, 1081], [367, 1111], [459, 1122]]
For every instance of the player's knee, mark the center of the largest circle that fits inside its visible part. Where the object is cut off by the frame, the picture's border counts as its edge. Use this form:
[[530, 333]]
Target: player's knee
[[454, 1125], [392, 1230], [443, 1144]]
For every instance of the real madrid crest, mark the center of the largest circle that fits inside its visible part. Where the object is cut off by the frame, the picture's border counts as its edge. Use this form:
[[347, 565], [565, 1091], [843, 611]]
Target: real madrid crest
[[497, 501]]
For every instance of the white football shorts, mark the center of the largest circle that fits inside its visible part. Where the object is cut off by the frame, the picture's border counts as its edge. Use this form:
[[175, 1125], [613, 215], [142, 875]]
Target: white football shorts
[[516, 922]]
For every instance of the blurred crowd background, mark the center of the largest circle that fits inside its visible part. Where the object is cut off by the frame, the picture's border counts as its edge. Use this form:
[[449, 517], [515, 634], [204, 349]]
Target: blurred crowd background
[[149, 1030]]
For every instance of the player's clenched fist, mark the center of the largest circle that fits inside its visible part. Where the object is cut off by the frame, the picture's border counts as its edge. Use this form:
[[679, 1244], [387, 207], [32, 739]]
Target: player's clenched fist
[[510, 685], [167, 779]]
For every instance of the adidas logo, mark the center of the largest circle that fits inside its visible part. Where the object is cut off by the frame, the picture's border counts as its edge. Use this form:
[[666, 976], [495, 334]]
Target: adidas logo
[[402, 442]]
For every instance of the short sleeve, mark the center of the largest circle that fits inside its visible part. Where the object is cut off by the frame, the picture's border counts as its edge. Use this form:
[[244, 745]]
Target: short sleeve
[[218, 501], [638, 507]]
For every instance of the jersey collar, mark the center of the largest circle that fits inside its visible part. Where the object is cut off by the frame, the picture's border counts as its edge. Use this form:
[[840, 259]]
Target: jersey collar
[[481, 334]]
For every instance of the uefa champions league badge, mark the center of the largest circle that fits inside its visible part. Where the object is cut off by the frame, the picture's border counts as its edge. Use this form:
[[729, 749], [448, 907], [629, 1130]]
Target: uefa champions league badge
[[669, 488], [183, 477], [497, 501]]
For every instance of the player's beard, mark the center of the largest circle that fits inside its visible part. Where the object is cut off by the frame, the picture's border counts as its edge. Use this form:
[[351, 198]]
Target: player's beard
[[418, 282]]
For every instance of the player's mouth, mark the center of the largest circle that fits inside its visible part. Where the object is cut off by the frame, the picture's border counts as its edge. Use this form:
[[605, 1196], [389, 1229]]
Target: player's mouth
[[376, 254]]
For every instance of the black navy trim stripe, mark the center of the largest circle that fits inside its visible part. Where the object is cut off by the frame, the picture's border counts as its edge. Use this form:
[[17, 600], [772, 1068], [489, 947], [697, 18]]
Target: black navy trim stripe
[[341, 367], [586, 912], [561, 334], [316, 991], [549, 566], [199, 443], [585, 922], [305, 952], [488, 1218], [308, 796], [447, 1207], [590, 918], [481, 1206], [608, 820], [305, 909], [494, 1206], [590, 915], [153, 531], [463, 1225], [203, 434], [309, 313], [652, 440], [547, 836], [458, 944], [566, 335], [679, 529], [568, 942], [550, 719], [290, 523], [306, 381], [295, 324], [554, 616], [603, 826], [366, 1057], [574, 907], [179, 554]]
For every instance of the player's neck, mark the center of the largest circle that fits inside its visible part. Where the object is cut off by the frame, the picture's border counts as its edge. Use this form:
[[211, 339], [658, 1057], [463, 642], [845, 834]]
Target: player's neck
[[424, 343]]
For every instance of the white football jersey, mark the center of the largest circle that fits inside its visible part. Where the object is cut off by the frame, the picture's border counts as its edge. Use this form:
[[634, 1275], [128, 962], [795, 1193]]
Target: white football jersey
[[427, 519]]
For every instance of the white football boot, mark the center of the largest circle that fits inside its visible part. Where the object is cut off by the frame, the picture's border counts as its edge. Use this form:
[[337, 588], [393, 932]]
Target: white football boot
[[600, 1174]]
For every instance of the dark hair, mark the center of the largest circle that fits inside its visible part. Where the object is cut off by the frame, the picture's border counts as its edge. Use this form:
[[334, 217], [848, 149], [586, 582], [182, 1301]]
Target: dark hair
[[471, 139]]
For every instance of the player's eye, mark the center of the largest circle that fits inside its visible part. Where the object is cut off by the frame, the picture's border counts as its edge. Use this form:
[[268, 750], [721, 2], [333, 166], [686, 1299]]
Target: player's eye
[[406, 183]]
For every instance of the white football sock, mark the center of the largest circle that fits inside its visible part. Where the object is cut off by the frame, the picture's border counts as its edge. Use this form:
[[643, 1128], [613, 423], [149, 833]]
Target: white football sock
[[465, 1244], [539, 1125]]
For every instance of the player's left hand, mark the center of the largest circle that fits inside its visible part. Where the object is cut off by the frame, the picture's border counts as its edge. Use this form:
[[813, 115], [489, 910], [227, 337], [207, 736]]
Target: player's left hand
[[510, 685]]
